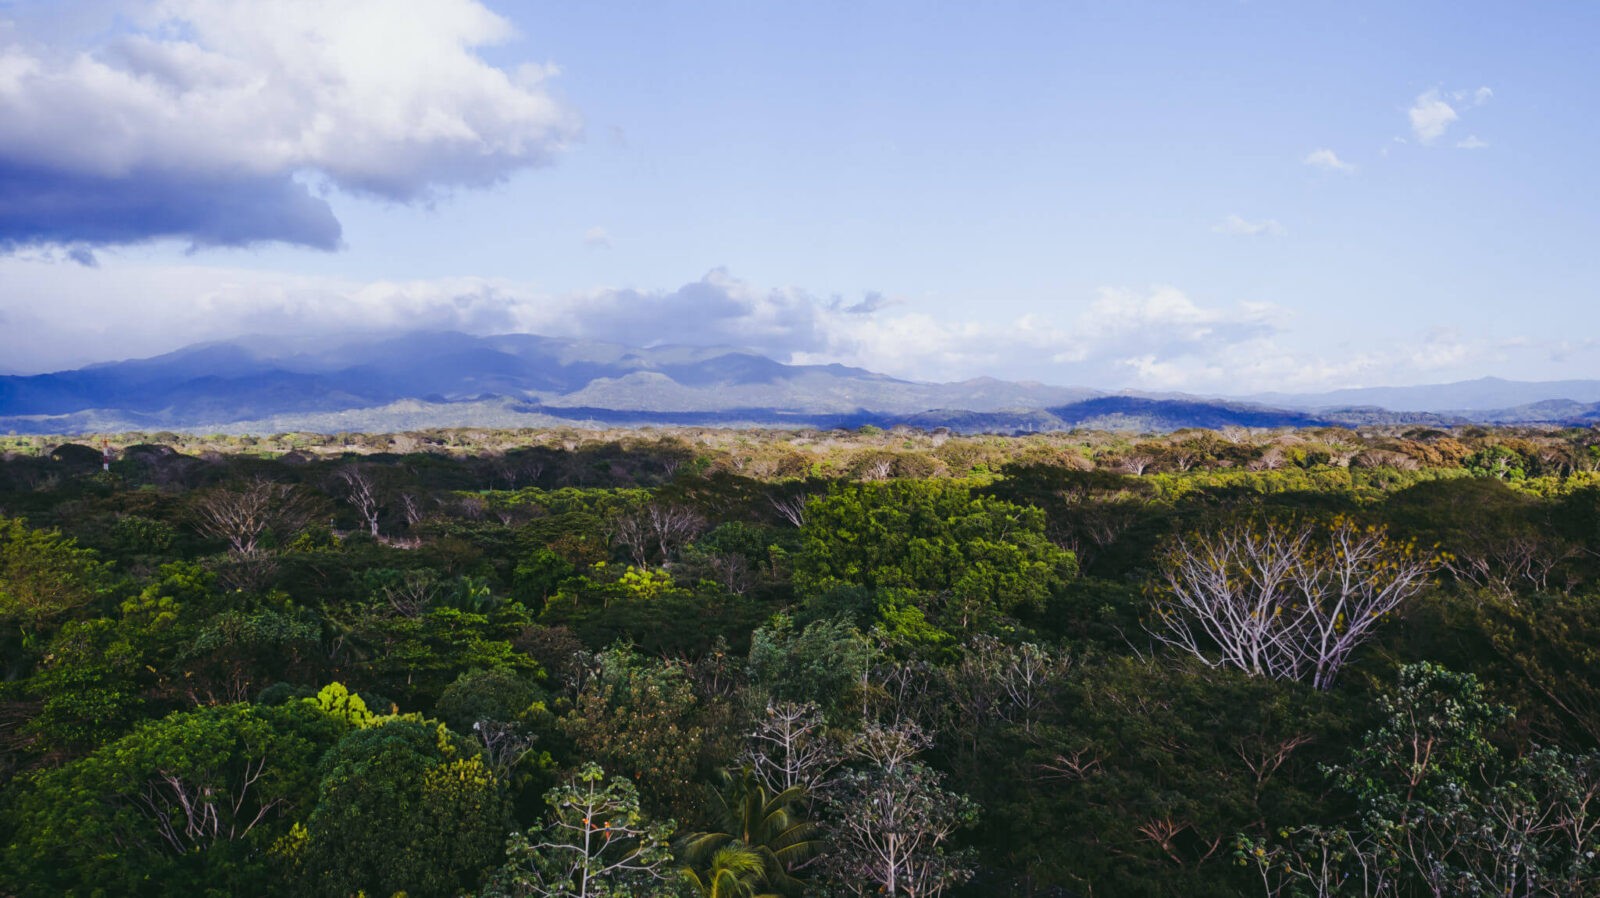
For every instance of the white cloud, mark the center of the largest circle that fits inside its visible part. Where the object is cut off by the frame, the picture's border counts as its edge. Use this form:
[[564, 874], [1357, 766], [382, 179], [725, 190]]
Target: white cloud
[[1236, 226], [1159, 338], [1328, 160], [1565, 352], [1443, 348], [1471, 142], [597, 237], [1158, 332], [1430, 116], [189, 98], [161, 308]]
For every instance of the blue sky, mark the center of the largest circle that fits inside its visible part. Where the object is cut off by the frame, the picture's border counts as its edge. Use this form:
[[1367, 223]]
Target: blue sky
[[1206, 196]]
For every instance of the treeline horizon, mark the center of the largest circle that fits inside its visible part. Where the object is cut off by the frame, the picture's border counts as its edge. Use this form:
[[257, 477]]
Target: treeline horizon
[[693, 661]]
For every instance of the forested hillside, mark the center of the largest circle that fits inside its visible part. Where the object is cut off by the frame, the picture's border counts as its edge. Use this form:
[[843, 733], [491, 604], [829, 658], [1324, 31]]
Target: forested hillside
[[731, 663]]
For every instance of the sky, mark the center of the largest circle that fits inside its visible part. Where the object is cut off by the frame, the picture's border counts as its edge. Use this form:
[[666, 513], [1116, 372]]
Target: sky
[[1212, 196]]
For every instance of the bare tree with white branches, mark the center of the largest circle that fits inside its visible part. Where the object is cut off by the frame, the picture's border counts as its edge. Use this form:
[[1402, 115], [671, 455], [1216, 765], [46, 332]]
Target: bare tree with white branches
[[361, 491], [412, 508], [245, 514], [890, 820], [1284, 601], [192, 816], [1028, 674], [504, 746], [655, 527], [790, 747], [792, 508], [416, 592]]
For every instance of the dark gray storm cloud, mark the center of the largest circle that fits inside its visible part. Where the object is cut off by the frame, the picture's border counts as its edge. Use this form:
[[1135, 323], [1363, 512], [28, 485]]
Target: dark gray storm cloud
[[40, 205], [200, 120]]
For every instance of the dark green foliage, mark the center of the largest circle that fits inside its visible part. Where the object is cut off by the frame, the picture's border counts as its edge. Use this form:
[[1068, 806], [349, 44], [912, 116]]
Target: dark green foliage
[[1092, 610], [538, 576], [187, 804], [1495, 537], [88, 688], [1085, 510], [825, 662], [653, 611], [417, 657], [1537, 652], [236, 651], [642, 718], [498, 694], [140, 536], [98, 675], [1443, 810], [1136, 775], [401, 807]]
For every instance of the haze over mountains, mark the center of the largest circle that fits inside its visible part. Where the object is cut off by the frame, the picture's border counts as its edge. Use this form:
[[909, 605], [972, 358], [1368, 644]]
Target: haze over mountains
[[1483, 394], [429, 379]]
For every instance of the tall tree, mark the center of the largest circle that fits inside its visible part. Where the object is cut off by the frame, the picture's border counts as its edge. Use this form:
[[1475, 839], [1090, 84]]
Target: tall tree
[[597, 843]]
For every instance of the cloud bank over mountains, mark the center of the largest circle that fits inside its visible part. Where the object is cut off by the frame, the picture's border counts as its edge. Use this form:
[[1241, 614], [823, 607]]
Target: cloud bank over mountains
[[1155, 338], [164, 307], [226, 122]]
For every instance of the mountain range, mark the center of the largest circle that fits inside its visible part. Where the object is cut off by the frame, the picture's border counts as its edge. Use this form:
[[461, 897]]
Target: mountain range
[[435, 379]]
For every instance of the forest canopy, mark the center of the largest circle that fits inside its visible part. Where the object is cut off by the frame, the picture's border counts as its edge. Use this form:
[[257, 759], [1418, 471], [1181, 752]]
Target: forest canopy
[[716, 662]]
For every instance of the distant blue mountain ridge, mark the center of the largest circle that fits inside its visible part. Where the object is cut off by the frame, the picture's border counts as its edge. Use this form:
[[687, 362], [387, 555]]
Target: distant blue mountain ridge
[[425, 379]]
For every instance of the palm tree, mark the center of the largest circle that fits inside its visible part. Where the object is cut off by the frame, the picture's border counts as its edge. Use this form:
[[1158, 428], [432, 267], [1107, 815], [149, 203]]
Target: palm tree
[[735, 871], [768, 826]]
